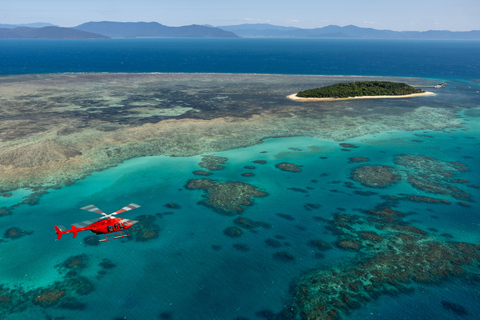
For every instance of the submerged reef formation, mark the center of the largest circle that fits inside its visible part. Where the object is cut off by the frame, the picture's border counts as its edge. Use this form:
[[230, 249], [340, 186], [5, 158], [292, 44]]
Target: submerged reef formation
[[65, 293], [390, 260], [146, 229], [375, 176], [226, 197], [16, 233], [285, 166], [431, 175], [212, 163], [58, 128], [423, 173]]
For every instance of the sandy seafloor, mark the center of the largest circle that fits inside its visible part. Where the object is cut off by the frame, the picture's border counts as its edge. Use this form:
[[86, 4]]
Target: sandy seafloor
[[193, 271]]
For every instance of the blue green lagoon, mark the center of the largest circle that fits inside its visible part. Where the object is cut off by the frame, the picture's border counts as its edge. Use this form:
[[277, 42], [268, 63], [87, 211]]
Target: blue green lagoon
[[253, 206]]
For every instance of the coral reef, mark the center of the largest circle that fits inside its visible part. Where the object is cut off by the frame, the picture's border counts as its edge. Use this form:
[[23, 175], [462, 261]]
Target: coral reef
[[393, 259], [91, 241], [319, 245], [358, 159], [375, 176], [233, 232], [290, 167], [348, 145], [16, 233], [212, 163], [146, 229], [454, 307], [431, 175], [248, 174], [249, 224], [283, 256], [5, 211], [65, 293], [226, 197], [421, 172], [172, 206], [273, 243], [201, 173]]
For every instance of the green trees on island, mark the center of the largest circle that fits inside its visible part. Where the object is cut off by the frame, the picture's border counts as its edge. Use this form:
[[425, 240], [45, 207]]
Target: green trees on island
[[360, 89]]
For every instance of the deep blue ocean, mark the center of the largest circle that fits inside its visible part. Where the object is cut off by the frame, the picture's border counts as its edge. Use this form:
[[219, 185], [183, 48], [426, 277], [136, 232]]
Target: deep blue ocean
[[193, 270], [409, 58]]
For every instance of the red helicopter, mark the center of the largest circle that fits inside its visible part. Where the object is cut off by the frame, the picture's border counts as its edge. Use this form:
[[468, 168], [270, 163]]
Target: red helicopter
[[111, 227]]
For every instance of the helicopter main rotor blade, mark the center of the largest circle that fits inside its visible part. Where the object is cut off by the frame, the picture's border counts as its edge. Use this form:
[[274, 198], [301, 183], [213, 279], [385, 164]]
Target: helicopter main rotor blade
[[131, 206], [92, 208]]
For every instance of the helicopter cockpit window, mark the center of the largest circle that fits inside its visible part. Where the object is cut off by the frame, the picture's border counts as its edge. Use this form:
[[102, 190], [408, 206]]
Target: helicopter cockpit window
[[121, 226], [110, 228]]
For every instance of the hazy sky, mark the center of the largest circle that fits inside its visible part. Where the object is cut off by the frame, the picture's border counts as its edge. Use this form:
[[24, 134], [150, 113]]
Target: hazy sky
[[401, 15]]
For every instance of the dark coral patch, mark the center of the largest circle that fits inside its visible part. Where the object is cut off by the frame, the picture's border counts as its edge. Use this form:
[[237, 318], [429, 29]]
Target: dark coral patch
[[348, 145], [48, 298], [80, 285], [273, 243], [320, 245], [370, 236], [107, 264], [226, 197], [365, 193], [233, 232], [290, 167], [91, 241], [173, 206], [283, 256], [259, 161], [146, 229], [375, 176], [463, 204], [241, 247], [5, 211], [201, 173], [455, 308], [212, 163], [16, 233], [285, 216], [351, 245], [76, 262], [358, 159], [245, 223], [248, 174]]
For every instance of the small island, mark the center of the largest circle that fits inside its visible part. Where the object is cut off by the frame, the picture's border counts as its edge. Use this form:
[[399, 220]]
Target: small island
[[359, 90]]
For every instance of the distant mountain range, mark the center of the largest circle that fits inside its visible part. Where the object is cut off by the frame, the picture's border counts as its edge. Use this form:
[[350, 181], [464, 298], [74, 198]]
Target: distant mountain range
[[152, 30], [108, 29], [29, 25], [47, 33], [269, 31]]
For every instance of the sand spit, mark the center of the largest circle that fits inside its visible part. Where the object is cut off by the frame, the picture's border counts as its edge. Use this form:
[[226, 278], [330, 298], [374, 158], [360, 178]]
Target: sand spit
[[295, 98], [56, 129]]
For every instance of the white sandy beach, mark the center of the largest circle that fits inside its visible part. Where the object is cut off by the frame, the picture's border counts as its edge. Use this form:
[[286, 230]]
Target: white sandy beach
[[295, 98]]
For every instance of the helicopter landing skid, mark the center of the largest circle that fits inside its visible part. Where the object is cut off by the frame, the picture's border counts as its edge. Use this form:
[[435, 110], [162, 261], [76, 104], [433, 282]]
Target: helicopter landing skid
[[113, 236]]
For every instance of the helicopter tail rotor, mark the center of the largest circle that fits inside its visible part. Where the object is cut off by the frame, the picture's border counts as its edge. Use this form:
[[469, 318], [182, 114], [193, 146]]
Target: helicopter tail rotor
[[59, 231]]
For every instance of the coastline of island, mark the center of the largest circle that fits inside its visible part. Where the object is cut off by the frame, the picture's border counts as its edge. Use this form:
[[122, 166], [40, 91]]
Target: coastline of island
[[296, 98]]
